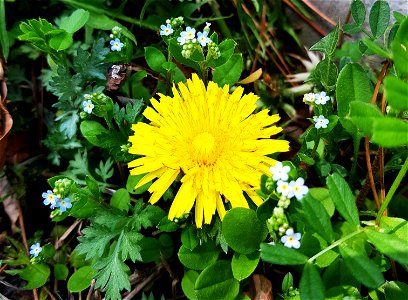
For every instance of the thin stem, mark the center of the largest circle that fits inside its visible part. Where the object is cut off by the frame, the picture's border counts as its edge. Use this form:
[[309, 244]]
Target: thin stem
[[168, 74], [111, 14], [335, 244], [221, 22], [316, 144], [370, 173], [392, 190]]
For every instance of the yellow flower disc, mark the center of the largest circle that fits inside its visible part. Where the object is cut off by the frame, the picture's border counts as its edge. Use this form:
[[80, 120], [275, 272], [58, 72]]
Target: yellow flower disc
[[210, 137]]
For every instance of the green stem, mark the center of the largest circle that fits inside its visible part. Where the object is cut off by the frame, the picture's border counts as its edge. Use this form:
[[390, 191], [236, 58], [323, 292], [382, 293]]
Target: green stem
[[168, 74], [392, 190], [204, 72], [100, 11], [336, 243], [316, 144], [221, 23]]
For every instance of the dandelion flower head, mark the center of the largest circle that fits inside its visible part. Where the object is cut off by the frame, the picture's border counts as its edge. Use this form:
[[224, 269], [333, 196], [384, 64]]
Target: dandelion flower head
[[212, 140]]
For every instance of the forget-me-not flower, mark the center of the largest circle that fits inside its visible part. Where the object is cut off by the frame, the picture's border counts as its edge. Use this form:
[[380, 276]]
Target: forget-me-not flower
[[35, 249], [88, 106], [64, 204], [116, 45], [50, 198], [279, 171], [291, 239], [166, 30], [320, 122]]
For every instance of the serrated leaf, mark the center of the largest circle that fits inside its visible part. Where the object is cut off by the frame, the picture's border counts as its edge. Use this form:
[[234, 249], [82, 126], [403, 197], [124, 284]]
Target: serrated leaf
[[311, 286], [281, 255], [130, 246], [113, 276], [343, 198]]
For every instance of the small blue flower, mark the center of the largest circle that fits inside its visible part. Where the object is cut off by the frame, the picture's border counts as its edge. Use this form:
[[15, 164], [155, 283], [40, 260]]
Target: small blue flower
[[88, 106], [203, 38], [50, 198], [186, 35], [64, 204], [166, 30], [116, 45], [321, 98], [35, 249]]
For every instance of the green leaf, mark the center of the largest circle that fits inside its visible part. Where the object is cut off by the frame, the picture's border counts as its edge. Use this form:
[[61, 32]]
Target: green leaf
[[358, 11], [281, 255], [175, 50], [341, 292], [230, 72], [244, 265], [61, 272], [226, 49], [363, 115], [150, 249], [217, 282], [328, 44], [188, 283], [90, 130], [92, 185], [130, 246], [133, 180], [375, 48], [155, 59], [36, 275], [4, 41], [353, 84], [113, 275], [287, 282], [121, 199], [81, 279], [61, 41], [327, 72], [389, 244], [399, 48], [324, 197], [311, 286], [363, 269], [75, 21], [396, 92], [189, 237], [235, 227], [343, 198], [317, 217], [379, 18], [390, 132], [199, 258], [395, 290]]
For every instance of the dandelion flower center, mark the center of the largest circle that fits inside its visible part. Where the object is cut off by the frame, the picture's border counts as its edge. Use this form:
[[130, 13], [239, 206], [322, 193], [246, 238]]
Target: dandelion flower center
[[203, 147]]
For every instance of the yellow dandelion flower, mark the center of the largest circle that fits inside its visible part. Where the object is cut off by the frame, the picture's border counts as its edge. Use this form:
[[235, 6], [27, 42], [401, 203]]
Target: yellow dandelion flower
[[210, 137]]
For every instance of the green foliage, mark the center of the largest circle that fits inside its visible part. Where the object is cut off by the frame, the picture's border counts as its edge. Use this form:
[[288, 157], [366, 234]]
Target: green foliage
[[340, 251]]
